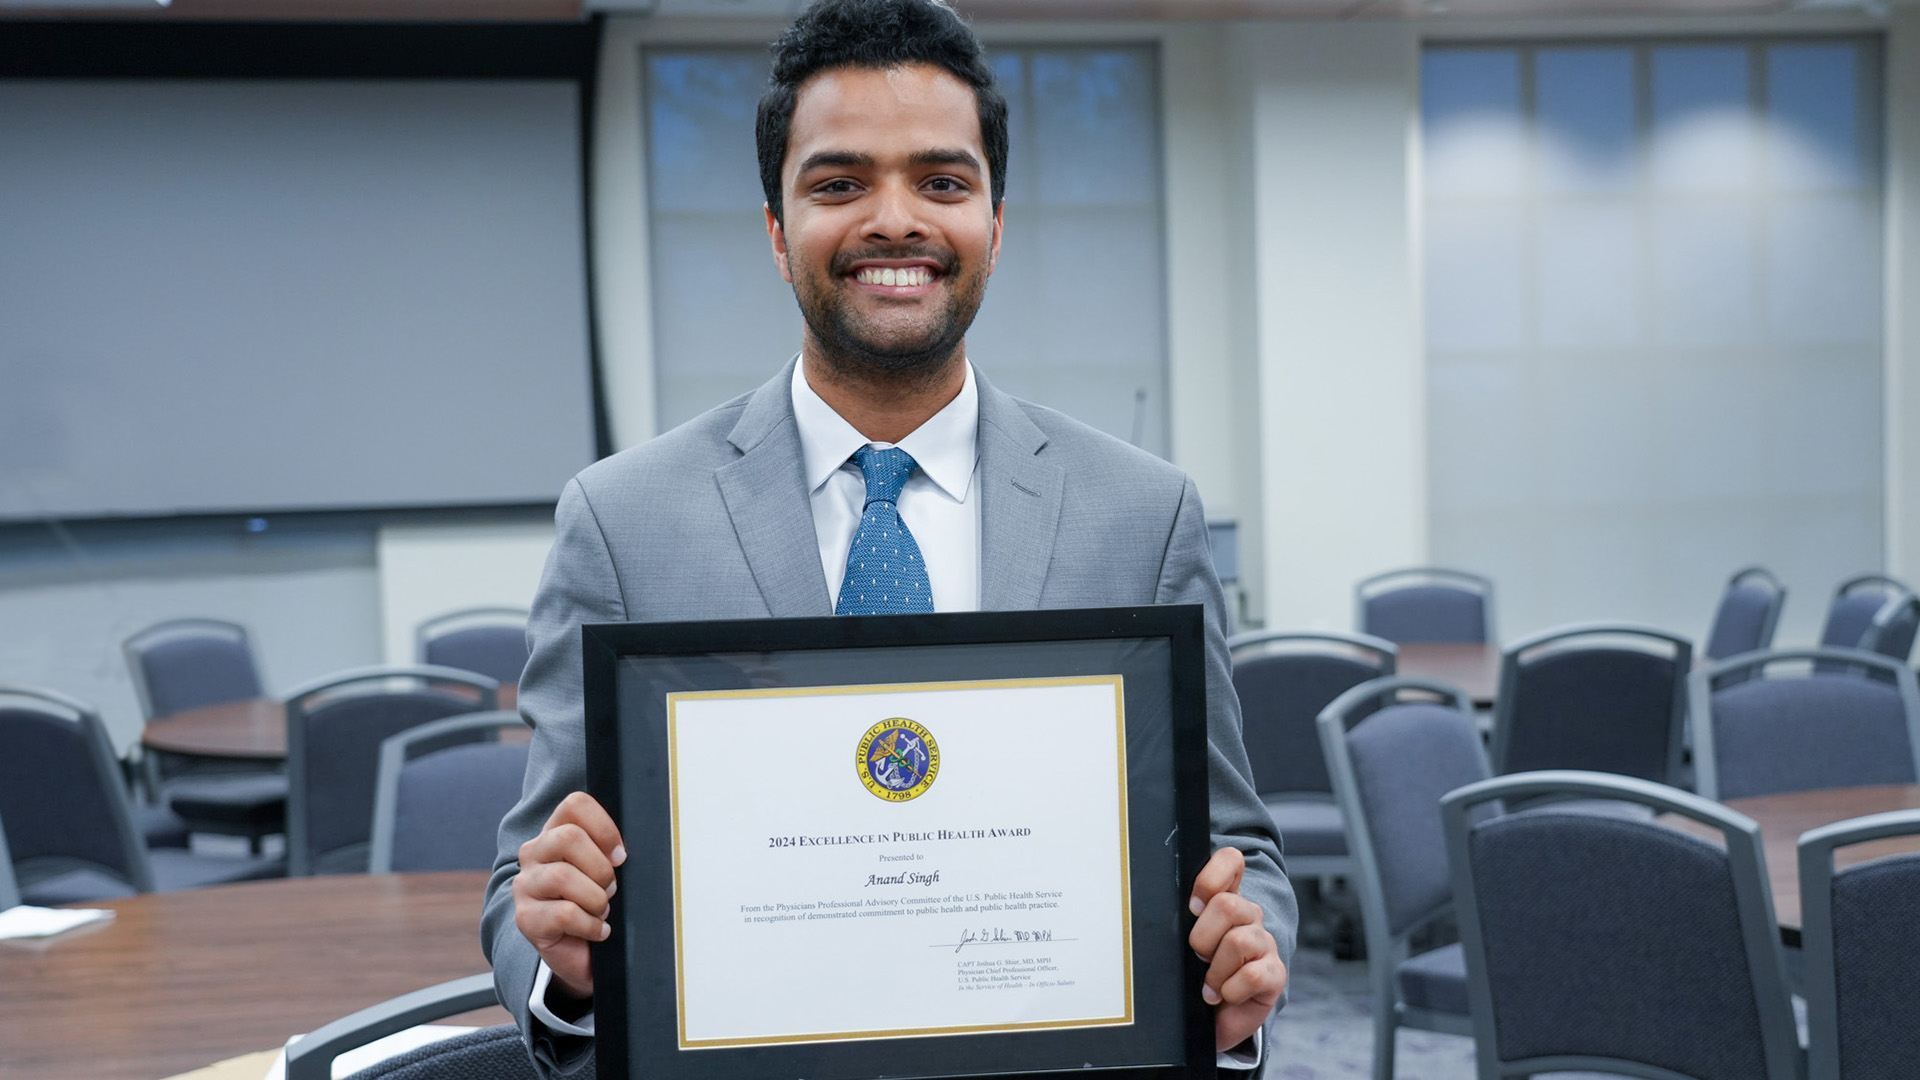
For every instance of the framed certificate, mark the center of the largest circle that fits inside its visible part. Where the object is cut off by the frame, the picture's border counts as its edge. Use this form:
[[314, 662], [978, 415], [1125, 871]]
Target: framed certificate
[[903, 846]]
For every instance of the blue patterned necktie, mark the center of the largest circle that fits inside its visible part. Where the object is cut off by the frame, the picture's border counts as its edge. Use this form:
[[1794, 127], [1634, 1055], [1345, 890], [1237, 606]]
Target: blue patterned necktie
[[885, 574]]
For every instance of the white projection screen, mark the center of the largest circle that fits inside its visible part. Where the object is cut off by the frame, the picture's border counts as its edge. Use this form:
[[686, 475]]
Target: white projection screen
[[251, 295]]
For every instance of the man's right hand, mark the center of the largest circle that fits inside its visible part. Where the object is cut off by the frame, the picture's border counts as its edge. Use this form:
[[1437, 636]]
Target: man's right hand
[[561, 895]]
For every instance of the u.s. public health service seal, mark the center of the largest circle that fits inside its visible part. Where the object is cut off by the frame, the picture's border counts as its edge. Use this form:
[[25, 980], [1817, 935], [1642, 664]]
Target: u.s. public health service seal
[[898, 759]]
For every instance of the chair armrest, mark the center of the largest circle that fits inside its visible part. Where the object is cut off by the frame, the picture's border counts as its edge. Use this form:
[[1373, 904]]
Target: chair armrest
[[311, 1058]]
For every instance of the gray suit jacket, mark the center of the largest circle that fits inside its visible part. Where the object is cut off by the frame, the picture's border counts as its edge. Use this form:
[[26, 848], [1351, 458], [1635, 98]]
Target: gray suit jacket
[[1070, 517]]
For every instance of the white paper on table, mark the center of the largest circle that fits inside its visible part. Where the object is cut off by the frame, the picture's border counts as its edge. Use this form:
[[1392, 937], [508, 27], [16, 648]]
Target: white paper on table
[[996, 899], [27, 921], [375, 1052]]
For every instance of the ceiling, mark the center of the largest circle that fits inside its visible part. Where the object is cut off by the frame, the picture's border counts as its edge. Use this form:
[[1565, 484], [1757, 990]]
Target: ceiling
[[501, 10]]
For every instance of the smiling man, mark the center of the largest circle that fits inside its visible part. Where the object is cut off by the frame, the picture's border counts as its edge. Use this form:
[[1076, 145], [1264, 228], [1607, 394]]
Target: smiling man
[[883, 154]]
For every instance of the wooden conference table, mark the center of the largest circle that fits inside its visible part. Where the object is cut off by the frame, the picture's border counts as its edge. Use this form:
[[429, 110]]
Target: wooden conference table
[[1782, 818], [1474, 667], [253, 730], [180, 980]]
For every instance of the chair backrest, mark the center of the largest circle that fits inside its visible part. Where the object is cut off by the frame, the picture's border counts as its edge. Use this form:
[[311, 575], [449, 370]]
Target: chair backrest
[[1602, 942], [489, 640], [1283, 680], [1748, 613], [334, 730], [1860, 937], [1894, 627], [62, 796], [1425, 603], [495, 1053], [1762, 723], [1872, 612], [1393, 746], [438, 807], [1605, 697], [187, 663]]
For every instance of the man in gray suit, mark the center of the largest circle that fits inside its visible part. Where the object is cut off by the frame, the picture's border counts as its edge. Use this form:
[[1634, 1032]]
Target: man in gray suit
[[883, 154]]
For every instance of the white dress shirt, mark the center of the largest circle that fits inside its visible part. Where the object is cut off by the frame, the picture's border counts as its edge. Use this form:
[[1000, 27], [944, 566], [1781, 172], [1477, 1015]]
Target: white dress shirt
[[940, 506], [937, 503]]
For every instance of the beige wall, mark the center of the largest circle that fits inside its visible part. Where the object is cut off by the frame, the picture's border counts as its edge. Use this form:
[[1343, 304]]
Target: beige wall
[[1341, 385]]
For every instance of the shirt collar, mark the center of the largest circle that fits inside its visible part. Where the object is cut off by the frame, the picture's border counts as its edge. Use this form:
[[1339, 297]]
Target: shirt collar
[[944, 446]]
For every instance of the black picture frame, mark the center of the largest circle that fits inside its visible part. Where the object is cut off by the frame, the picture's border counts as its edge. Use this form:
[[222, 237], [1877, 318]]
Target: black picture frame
[[630, 668]]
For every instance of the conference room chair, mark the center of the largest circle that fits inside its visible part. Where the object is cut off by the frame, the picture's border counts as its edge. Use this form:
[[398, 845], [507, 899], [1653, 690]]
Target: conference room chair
[[1608, 697], [489, 640], [1425, 604], [1393, 746], [186, 664], [1604, 943], [1747, 614], [70, 830], [1860, 936], [1872, 612], [438, 807], [490, 1053], [1801, 719], [1283, 680], [335, 726]]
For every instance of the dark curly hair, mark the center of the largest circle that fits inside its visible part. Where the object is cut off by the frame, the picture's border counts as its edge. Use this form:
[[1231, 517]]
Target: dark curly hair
[[874, 34]]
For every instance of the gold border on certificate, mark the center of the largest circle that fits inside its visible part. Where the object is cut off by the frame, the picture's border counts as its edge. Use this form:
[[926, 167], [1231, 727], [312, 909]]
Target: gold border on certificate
[[1126, 879]]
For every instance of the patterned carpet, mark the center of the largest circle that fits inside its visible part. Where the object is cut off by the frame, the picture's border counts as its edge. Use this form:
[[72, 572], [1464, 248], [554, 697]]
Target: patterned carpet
[[1326, 1030]]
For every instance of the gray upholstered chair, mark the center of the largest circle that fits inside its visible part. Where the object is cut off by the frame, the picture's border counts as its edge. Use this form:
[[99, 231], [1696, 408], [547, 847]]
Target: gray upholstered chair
[[1749, 611], [70, 830], [1603, 696], [1860, 936], [186, 664], [489, 640], [1872, 612], [438, 807], [1600, 942], [1764, 723], [1425, 603], [335, 726], [1393, 747], [492, 1053], [1283, 680]]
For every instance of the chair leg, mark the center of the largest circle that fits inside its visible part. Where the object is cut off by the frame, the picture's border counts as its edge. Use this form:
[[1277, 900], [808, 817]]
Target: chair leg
[[1385, 1022], [150, 777], [1490, 1070]]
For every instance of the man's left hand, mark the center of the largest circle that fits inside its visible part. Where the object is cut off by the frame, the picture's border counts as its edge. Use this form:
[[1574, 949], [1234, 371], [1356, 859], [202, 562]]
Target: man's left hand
[[1246, 976]]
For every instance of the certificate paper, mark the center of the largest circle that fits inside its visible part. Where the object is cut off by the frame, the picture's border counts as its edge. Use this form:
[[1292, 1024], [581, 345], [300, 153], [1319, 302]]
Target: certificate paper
[[884, 861]]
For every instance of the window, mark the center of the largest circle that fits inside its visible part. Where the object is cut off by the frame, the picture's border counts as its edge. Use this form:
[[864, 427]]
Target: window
[[1075, 315], [1654, 352]]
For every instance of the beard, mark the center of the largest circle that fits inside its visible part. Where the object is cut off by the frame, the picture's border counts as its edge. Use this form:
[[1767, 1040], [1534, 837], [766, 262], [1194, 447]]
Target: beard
[[859, 346]]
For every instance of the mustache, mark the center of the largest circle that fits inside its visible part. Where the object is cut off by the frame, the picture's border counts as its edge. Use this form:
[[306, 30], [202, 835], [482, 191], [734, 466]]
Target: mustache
[[946, 261]]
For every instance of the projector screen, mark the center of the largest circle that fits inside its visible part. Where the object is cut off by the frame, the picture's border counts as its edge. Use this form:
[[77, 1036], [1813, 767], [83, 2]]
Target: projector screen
[[237, 296]]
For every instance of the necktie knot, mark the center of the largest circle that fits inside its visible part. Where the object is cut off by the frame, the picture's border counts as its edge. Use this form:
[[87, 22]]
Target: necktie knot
[[886, 472]]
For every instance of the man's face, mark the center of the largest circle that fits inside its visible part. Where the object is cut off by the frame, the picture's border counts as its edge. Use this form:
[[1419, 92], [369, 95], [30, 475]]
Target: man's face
[[890, 227]]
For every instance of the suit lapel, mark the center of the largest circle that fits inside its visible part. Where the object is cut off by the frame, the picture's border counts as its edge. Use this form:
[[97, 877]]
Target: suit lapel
[[1019, 504], [766, 495]]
